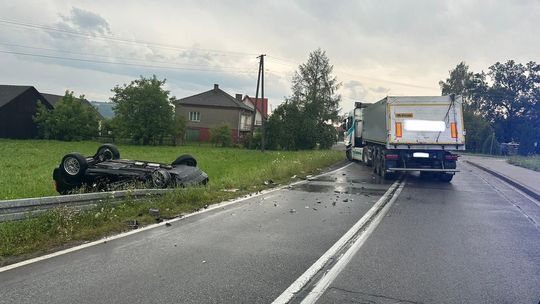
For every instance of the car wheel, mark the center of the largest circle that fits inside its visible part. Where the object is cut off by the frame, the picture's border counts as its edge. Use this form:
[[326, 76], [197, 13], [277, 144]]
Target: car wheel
[[73, 167], [161, 178], [185, 159], [107, 152]]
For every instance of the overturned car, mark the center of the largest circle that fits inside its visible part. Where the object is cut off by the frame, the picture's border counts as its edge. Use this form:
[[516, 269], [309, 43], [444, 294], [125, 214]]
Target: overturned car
[[106, 171]]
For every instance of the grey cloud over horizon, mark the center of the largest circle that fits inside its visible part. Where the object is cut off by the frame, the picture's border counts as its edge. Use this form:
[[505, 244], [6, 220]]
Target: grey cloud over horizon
[[377, 47]]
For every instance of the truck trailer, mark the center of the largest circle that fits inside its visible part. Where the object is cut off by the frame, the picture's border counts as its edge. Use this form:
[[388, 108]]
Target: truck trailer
[[407, 133]]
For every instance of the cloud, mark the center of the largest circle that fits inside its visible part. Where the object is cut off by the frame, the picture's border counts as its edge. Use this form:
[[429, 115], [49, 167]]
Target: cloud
[[356, 90], [84, 21], [378, 48]]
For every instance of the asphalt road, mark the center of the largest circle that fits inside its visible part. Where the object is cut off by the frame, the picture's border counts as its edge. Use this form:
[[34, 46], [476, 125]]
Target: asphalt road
[[472, 241]]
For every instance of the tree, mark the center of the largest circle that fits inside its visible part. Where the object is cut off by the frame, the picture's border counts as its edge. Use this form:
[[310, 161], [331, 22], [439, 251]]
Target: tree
[[471, 87], [505, 99], [143, 110], [70, 119], [178, 130], [304, 120], [221, 136], [512, 99]]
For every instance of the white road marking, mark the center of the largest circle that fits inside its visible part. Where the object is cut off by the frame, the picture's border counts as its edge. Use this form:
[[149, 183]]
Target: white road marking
[[125, 234], [321, 286], [297, 285]]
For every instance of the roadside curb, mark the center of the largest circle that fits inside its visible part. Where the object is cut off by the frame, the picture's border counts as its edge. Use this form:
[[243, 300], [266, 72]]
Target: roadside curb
[[531, 192]]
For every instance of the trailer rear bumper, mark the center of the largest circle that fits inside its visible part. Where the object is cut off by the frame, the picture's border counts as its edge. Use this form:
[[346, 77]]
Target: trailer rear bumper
[[422, 169]]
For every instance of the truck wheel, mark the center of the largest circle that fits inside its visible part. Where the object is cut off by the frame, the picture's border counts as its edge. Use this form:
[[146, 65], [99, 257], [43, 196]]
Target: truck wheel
[[445, 177], [375, 166], [348, 154]]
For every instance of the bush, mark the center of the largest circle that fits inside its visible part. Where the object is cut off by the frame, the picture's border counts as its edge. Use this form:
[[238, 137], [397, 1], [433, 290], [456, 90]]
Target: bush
[[221, 136], [71, 119]]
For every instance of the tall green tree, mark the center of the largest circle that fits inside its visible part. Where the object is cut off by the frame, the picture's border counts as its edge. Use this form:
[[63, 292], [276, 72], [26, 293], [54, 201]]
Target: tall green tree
[[304, 120], [71, 119], [471, 87], [507, 97], [143, 110], [512, 99]]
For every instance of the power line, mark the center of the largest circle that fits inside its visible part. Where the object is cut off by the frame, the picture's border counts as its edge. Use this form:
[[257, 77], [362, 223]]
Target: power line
[[114, 57], [117, 39], [292, 63], [127, 64]]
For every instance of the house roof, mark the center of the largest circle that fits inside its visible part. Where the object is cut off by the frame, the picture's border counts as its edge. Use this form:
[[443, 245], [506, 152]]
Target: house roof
[[262, 104], [214, 98], [9, 92]]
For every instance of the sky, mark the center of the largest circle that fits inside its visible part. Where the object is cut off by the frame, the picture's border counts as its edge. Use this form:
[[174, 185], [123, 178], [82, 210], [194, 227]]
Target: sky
[[377, 48]]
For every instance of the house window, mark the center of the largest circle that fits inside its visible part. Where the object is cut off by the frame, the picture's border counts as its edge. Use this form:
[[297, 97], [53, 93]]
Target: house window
[[194, 116]]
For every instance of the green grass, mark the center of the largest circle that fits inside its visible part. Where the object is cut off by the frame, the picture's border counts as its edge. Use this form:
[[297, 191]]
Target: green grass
[[27, 172], [529, 162]]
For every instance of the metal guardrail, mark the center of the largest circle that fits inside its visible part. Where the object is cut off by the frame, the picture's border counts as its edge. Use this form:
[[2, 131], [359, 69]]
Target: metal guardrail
[[17, 209]]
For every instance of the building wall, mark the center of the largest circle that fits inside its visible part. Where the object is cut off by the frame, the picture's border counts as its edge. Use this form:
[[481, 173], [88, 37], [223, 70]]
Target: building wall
[[210, 117], [16, 117], [258, 116]]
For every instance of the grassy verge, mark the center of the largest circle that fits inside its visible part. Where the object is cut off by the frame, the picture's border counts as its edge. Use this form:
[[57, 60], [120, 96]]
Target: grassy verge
[[529, 162], [228, 168]]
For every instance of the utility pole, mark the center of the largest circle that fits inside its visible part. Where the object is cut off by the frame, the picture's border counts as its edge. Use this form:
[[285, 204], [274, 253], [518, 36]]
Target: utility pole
[[261, 71], [263, 118]]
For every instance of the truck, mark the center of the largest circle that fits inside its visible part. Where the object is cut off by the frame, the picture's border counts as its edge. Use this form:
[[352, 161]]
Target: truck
[[407, 133]]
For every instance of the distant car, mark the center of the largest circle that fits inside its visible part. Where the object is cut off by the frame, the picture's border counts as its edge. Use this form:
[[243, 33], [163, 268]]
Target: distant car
[[106, 171]]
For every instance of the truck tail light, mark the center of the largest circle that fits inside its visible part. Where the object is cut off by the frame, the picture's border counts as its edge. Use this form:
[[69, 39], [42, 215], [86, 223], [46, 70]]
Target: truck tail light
[[452, 157], [399, 130], [391, 156], [453, 129]]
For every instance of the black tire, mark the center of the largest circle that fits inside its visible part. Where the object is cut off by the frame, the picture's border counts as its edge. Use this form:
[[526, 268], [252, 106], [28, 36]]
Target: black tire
[[161, 178], [185, 159], [445, 177], [348, 154], [73, 167], [369, 161], [107, 152]]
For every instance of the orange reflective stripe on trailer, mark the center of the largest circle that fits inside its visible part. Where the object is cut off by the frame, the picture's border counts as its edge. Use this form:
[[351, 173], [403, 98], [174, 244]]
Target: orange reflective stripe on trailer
[[399, 130], [453, 129]]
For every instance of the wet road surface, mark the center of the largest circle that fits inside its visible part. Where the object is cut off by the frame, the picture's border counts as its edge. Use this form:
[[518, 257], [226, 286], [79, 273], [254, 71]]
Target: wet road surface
[[472, 241]]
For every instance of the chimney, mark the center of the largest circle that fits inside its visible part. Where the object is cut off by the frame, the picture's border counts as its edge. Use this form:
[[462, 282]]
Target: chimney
[[239, 97], [216, 86]]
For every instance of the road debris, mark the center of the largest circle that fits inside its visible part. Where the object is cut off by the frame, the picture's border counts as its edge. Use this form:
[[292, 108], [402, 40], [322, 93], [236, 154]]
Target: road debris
[[333, 203], [133, 224], [168, 225], [292, 211], [269, 182], [203, 262], [345, 200], [231, 190], [154, 212]]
